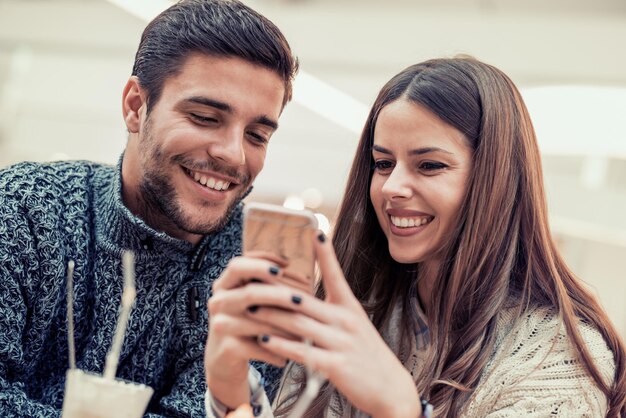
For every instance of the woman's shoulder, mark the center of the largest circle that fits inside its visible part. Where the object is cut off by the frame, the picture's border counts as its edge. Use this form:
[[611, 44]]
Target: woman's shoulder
[[542, 330], [534, 364]]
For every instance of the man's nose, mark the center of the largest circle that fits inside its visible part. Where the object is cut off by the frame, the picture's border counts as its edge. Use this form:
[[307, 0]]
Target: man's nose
[[229, 147]]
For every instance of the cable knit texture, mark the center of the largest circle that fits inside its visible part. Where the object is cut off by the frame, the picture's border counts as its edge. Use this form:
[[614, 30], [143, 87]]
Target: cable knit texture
[[53, 213], [533, 372]]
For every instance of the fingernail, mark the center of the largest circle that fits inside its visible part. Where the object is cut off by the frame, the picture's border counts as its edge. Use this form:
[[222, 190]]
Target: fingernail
[[321, 237], [253, 308], [296, 299], [265, 338], [274, 270]]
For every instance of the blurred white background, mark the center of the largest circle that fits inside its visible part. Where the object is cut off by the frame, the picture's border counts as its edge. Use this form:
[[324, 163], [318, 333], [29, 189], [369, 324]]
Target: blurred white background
[[63, 64]]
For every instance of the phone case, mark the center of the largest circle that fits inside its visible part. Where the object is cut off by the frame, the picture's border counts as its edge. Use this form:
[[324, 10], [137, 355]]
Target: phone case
[[283, 235]]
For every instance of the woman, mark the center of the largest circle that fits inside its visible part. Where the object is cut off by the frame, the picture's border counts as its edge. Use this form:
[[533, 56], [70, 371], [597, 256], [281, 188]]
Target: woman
[[458, 293]]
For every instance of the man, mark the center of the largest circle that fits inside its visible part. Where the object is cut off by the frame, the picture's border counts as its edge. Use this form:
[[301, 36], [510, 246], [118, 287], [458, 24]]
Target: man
[[210, 80]]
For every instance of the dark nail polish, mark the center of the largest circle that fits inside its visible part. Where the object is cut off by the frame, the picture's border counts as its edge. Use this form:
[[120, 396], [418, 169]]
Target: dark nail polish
[[274, 270], [265, 338], [321, 237], [253, 308], [296, 299]]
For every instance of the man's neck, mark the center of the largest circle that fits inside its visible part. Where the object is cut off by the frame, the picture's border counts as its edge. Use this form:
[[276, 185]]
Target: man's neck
[[148, 211]]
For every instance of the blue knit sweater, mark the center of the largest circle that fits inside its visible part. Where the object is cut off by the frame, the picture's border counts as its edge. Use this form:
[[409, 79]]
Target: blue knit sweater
[[51, 213]]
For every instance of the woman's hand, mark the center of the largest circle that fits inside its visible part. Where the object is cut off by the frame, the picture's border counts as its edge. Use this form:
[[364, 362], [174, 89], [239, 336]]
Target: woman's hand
[[232, 339], [347, 347], [244, 411]]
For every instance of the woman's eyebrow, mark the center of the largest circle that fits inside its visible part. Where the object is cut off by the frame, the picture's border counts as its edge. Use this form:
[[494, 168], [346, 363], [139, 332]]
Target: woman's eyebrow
[[417, 151], [426, 150]]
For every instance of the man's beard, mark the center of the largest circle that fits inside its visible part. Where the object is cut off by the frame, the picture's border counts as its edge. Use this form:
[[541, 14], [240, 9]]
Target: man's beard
[[159, 198]]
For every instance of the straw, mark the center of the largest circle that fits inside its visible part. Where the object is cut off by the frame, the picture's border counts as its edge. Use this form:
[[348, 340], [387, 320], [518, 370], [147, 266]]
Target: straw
[[314, 381], [70, 314], [128, 297]]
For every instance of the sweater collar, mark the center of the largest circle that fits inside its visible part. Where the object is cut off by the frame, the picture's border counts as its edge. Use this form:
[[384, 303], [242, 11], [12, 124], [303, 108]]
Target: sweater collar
[[118, 229]]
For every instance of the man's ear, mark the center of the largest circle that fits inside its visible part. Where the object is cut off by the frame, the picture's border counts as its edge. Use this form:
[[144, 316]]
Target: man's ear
[[133, 102]]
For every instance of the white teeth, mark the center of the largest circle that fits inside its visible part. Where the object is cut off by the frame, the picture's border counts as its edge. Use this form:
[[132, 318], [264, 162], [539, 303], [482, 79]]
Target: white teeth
[[402, 222], [210, 182]]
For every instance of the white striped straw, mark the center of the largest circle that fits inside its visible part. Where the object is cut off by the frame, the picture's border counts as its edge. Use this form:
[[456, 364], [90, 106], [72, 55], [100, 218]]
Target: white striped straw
[[70, 313], [128, 297]]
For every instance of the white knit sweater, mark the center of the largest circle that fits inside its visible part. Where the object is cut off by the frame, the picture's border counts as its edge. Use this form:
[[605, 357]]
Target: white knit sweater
[[533, 372]]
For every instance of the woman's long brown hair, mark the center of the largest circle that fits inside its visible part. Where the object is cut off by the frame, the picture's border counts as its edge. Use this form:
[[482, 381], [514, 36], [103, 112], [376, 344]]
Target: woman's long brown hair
[[501, 249]]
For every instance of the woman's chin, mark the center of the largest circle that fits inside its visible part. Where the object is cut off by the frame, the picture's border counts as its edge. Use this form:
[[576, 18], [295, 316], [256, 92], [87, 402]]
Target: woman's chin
[[403, 258]]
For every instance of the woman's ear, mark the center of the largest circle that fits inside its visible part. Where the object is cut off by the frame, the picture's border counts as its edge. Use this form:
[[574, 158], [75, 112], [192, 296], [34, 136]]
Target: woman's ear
[[133, 100]]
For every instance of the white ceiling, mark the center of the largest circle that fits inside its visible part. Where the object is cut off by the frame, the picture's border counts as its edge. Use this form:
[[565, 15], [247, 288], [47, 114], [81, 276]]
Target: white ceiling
[[63, 64]]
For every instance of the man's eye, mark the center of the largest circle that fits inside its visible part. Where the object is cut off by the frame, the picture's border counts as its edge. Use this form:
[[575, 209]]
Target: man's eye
[[203, 119], [257, 137]]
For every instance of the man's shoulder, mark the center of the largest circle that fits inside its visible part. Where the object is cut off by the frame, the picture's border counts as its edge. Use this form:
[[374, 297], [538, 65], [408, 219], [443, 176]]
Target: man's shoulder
[[50, 178], [62, 170], [38, 190]]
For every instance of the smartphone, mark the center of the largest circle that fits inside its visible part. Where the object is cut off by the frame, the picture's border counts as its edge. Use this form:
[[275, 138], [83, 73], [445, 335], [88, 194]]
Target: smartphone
[[284, 236]]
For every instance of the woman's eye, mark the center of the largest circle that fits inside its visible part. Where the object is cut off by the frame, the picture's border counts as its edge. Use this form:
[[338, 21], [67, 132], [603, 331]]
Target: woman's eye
[[383, 166], [203, 119], [432, 166]]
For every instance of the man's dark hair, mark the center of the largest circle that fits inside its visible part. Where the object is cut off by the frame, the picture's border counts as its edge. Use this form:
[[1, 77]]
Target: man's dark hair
[[220, 28]]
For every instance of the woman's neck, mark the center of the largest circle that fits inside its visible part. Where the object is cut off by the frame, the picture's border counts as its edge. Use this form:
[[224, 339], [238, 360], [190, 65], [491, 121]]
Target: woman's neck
[[426, 282]]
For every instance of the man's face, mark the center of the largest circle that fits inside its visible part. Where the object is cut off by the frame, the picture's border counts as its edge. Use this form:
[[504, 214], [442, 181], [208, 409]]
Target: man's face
[[203, 143]]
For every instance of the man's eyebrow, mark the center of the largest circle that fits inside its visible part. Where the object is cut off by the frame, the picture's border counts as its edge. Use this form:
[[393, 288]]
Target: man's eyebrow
[[417, 151], [205, 101], [264, 120], [225, 107]]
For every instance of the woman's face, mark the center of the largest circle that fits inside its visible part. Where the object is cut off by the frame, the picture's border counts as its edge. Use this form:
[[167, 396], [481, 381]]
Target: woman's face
[[421, 169]]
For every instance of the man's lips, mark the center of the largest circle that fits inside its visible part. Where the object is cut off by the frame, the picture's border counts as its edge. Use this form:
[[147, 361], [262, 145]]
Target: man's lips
[[211, 180]]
